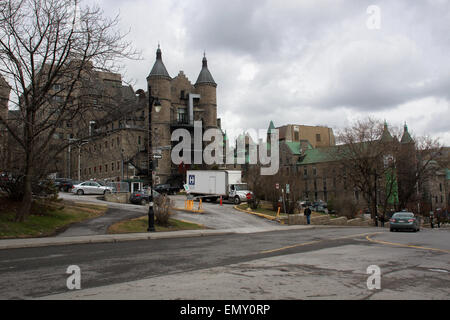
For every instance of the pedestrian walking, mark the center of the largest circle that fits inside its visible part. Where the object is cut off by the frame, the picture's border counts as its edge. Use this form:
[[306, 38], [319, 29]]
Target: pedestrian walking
[[431, 220], [307, 213], [438, 218], [382, 220]]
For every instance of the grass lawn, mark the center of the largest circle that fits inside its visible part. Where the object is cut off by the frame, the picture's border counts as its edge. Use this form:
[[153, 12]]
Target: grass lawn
[[266, 208], [263, 208], [141, 224], [45, 219]]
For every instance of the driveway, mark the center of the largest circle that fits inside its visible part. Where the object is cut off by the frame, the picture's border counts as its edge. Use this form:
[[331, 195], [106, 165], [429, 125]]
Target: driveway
[[116, 212], [214, 216]]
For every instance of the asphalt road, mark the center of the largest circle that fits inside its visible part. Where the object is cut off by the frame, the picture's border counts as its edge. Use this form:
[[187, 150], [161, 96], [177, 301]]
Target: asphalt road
[[328, 263]]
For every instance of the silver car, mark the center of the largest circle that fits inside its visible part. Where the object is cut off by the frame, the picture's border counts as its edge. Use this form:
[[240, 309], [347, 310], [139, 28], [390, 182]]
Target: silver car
[[91, 187]]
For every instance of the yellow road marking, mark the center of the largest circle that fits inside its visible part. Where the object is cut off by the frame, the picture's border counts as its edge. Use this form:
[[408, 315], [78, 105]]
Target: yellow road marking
[[405, 245], [317, 241]]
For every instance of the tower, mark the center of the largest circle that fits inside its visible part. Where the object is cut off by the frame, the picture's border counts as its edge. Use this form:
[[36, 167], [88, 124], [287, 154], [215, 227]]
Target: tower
[[159, 87], [206, 87], [5, 90]]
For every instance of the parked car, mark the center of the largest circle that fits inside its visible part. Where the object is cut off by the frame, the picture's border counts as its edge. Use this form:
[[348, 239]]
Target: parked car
[[141, 196], [166, 188], [91, 187], [59, 182], [404, 221], [67, 185]]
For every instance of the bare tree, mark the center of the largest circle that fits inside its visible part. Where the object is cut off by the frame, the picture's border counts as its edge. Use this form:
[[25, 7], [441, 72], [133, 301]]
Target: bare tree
[[367, 154], [47, 52]]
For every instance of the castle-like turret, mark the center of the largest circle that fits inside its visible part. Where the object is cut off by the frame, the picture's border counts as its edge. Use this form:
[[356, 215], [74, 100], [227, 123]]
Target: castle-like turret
[[159, 87], [206, 87]]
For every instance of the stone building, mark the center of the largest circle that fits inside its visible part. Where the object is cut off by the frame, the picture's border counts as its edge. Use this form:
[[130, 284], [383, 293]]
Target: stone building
[[119, 148], [317, 136], [5, 90]]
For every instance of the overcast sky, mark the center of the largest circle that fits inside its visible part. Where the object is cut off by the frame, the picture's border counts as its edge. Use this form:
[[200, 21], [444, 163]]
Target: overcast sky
[[303, 61]]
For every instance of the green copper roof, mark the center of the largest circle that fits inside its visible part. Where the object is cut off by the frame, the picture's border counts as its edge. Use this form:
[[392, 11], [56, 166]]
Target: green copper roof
[[271, 126], [318, 155], [386, 136], [296, 146], [406, 138]]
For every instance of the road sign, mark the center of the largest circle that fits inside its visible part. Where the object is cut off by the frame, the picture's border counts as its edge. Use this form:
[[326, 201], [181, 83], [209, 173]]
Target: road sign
[[249, 196], [186, 187], [277, 186], [191, 180], [157, 156]]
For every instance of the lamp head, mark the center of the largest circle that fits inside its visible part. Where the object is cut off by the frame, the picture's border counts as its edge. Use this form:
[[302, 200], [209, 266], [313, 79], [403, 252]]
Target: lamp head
[[157, 105]]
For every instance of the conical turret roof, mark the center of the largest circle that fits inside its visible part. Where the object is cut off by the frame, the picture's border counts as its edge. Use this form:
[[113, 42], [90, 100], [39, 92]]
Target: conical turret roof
[[159, 70], [205, 76], [386, 136], [406, 137]]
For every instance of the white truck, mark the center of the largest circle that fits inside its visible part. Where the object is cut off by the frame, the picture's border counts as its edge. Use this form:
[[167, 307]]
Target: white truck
[[211, 184]]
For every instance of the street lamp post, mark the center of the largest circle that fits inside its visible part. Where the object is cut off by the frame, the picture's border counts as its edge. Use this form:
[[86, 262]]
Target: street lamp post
[[151, 101]]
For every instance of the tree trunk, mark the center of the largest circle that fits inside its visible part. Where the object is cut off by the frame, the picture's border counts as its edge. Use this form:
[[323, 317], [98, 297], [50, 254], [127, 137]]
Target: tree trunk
[[27, 191]]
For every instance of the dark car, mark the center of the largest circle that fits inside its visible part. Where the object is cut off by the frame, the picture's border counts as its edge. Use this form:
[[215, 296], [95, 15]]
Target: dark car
[[166, 188], [404, 221], [64, 184], [67, 185], [141, 196]]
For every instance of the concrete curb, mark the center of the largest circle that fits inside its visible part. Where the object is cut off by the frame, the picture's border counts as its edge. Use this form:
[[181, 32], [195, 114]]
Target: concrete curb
[[53, 241], [262, 215]]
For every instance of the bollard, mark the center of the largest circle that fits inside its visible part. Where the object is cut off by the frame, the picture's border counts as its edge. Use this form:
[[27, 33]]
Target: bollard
[[278, 212], [200, 205]]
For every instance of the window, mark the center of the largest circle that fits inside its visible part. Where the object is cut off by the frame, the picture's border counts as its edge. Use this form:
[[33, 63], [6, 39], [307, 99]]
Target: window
[[139, 140], [296, 136], [318, 137], [89, 170], [112, 166], [106, 144], [118, 141], [181, 115], [95, 169], [112, 143], [106, 168], [315, 184], [314, 171], [118, 165], [100, 169], [305, 172], [57, 87], [440, 187]]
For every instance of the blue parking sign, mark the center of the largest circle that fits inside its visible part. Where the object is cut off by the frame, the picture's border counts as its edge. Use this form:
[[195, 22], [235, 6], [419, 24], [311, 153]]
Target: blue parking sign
[[191, 180]]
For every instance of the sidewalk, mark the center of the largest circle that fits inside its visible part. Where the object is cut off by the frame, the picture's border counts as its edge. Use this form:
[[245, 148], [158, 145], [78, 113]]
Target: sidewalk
[[59, 241]]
